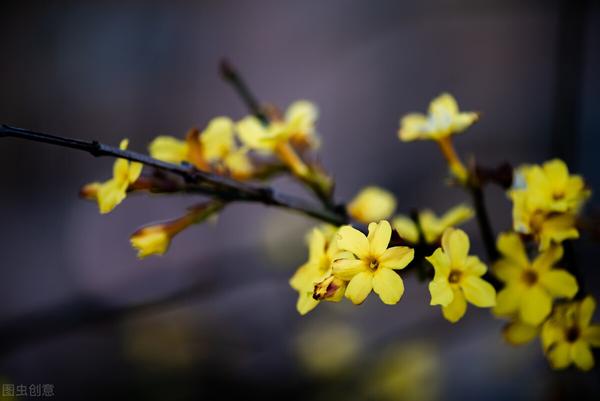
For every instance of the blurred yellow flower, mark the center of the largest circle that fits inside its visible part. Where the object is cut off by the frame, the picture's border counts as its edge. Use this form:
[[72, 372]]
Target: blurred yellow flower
[[553, 187], [298, 125], [372, 265], [322, 248], [457, 277], [530, 287], [284, 137], [372, 204], [444, 119], [546, 228], [112, 192], [328, 348], [215, 149], [432, 226], [568, 335], [546, 200]]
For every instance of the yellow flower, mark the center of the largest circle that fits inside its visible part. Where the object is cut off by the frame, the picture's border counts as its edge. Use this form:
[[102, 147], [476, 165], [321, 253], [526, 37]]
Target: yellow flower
[[529, 217], [298, 126], [568, 335], [155, 239], [322, 248], [372, 204], [373, 264], [444, 119], [215, 149], [553, 187], [457, 277], [432, 226], [530, 287], [112, 192], [546, 200]]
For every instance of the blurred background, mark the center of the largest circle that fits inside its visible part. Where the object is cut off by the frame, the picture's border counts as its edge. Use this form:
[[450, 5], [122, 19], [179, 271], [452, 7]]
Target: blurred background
[[215, 318]]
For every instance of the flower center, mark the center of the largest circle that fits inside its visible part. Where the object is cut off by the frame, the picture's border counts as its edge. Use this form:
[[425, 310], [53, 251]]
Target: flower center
[[454, 276], [572, 334], [373, 264], [529, 277]]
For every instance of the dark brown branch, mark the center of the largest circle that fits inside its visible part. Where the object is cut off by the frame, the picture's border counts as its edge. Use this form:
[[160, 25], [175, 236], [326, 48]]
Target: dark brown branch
[[196, 181], [230, 75]]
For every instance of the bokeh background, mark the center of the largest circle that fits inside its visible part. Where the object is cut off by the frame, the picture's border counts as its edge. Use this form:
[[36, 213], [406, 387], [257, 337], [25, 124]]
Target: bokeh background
[[215, 317]]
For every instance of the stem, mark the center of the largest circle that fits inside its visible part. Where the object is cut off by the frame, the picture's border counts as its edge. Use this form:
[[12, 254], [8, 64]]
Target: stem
[[230, 75], [483, 221], [196, 180]]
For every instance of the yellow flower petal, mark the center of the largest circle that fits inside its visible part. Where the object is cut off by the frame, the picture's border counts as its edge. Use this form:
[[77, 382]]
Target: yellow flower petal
[[359, 287], [475, 266], [456, 309], [397, 257], [457, 215], [507, 271], [591, 334], [551, 334], [388, 285], [508, 300], [582, 355], [168, 149], [536, 305], [306, 303], [305, 277], [406, 228], [110, 194], [441, 292], [135, 169], [586, 311], [557, 229], [559, 283], [316, 246], [518, 333], [379, 237], [217, 139], [254, 135], [512, 248], [346, 269], [412, 127], [443, 106], [455, 243], [559, 355], [548, 258], [441, 264], [478, 292], [350, 239], [372, 204], [301, 117]]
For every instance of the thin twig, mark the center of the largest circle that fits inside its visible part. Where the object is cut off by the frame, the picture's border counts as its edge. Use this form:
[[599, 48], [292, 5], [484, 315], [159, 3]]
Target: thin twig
[[229, 73], [196, 181]]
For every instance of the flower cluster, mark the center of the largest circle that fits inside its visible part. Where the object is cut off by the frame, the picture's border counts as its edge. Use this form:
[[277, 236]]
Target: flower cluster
[[536, 294], [546, 202], [372, 249], [249, 149]]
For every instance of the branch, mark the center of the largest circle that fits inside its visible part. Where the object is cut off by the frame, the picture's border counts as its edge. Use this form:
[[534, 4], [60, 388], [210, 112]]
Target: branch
[[196, 180], [229, 74]]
